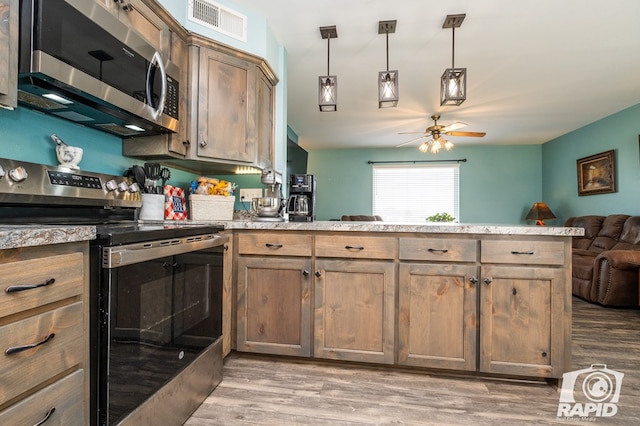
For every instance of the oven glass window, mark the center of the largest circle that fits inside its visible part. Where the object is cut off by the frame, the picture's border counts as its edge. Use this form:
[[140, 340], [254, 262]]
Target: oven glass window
[[162, 314]]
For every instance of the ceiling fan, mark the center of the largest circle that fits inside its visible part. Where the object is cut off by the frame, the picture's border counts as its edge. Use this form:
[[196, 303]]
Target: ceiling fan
[[435, 133]]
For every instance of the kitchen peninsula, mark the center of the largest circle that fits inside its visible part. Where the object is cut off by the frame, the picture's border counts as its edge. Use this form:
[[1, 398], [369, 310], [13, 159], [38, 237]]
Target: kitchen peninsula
[[483, 299]]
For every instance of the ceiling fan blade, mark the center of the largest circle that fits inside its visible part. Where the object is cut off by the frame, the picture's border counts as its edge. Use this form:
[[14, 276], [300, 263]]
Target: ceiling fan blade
[[413, 133], [471, 134], [455, 126], [412, 140]]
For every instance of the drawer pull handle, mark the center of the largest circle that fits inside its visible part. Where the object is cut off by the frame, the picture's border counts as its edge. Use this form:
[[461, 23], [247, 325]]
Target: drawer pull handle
[[15, 349], [46, 416], [522, 252], [354, 247], [270, 245], [16, 288], [438, 250]]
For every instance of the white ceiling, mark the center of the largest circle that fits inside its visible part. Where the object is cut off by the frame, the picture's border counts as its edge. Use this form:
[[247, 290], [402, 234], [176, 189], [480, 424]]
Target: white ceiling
[[537, 69]]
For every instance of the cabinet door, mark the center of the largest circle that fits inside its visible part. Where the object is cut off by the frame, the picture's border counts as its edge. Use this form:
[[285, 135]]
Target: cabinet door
[[264, 125], [354, 310], [224, 96], [274, 307], [522, 321], [437, 316], [9, 53]]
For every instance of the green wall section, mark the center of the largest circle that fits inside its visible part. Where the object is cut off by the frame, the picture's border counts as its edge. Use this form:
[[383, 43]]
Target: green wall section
[[498, 184], [619, 132]]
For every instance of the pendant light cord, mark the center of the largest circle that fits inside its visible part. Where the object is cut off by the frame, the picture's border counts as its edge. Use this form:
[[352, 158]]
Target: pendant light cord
[[387, 51], [328, 54], [453, 47]]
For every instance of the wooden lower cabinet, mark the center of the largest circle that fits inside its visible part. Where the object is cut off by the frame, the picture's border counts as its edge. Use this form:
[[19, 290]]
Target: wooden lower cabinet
[[354, 310], [437, 319], [523, 322], [274, 305]]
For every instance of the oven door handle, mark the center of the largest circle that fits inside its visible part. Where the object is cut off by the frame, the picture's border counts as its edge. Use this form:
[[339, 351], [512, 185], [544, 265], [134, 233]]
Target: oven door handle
[[117, 256]]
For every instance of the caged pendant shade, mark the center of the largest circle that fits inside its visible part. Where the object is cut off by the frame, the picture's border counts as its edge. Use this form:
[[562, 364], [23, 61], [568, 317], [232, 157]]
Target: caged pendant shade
[[328, 84], [387, 80], [453, 83]]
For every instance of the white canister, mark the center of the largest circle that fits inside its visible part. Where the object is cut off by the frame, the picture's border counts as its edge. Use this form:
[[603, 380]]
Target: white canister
[[152, 207]]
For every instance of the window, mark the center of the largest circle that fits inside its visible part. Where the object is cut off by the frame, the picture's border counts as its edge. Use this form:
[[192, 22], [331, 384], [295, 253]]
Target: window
[[411, 193]]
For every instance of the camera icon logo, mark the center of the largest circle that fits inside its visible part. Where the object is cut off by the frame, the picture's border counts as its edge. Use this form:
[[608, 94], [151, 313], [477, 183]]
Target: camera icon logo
[[592, 391]]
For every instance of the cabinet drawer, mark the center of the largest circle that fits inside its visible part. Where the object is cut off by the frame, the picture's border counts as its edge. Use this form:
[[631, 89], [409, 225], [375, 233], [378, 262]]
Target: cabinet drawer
[[523, 252], [66, 271], [354, 246], [277, 244], [65, 396], [23, 370], [438, 249]]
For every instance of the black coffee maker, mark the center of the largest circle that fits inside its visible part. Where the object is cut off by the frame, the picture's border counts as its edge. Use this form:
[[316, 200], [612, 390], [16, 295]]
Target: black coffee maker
[[302, 198]]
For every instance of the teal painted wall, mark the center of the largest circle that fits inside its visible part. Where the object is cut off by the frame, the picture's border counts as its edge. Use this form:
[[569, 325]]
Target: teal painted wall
[[498, 184], [25, 135], [619, 132]]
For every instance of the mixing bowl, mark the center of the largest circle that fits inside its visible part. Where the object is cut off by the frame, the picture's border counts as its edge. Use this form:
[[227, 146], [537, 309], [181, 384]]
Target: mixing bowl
[[267, 206]]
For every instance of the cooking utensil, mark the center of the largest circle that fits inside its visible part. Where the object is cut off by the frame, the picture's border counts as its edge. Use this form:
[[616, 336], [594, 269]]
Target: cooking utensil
[[165, 175], [140, 177], [152, 171]]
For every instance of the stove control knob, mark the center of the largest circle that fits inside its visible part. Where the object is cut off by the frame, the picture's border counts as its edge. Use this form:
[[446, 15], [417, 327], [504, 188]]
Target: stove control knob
[[111, 185], [1, 172], [18, 174], [122, 186], [134, 187]]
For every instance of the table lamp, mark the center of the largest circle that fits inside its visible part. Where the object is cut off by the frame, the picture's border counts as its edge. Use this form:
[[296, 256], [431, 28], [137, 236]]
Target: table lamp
[[539, 212]]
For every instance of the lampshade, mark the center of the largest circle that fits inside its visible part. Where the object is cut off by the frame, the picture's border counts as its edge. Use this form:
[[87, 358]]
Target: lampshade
[[539, 212], [328, 84]]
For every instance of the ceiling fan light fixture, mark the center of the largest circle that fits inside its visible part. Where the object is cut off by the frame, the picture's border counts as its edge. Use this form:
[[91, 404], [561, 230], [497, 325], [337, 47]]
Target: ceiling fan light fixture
[[387, 80], [453, 83], [328, 84]]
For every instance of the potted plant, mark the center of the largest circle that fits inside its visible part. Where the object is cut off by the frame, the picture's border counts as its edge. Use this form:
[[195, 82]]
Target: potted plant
[[441, 217]]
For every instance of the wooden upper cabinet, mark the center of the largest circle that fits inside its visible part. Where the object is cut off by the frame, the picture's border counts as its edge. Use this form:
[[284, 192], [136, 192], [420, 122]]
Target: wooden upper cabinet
[[225, 94], [264, 124], [9, 53], [140, 17]]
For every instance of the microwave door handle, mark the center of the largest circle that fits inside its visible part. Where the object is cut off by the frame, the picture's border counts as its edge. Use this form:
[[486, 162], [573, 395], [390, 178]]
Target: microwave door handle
[[156, 60]]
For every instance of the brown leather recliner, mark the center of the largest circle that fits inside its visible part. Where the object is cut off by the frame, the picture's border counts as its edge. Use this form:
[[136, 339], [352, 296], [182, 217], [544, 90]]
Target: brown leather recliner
[[605, 261]]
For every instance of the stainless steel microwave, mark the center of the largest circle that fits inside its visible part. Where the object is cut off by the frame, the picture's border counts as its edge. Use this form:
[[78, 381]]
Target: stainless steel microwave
[[78, 61]]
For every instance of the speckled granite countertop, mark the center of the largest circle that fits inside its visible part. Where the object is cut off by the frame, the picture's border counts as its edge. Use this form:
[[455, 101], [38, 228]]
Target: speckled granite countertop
[[440, 228], [14, 236]]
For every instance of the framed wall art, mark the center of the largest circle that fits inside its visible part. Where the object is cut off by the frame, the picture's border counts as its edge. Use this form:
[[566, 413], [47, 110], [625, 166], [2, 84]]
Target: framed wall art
[[597, 174]]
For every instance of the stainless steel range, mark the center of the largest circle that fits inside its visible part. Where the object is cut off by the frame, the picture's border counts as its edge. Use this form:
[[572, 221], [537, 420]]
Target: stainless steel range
[[155, 292]]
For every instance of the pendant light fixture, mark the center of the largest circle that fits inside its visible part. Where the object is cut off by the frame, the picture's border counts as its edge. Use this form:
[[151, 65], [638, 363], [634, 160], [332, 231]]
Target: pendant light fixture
[[328, 84], [387, 80], [453, 83]]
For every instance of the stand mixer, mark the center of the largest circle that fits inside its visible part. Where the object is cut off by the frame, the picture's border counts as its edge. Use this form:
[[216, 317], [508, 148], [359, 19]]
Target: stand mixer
[[270, 207]]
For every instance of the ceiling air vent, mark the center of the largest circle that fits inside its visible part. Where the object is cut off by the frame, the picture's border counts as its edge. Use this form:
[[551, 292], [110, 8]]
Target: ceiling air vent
[[219, 18]]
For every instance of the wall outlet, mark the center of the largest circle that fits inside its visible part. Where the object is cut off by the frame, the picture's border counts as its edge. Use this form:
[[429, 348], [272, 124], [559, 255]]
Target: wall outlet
[[249, 194]]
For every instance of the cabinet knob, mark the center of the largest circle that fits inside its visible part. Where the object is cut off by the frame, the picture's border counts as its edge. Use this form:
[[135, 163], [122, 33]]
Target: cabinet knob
[[305, 273], [186, 143], [202, 143], [473, 280], [318, 274], [488, 280]]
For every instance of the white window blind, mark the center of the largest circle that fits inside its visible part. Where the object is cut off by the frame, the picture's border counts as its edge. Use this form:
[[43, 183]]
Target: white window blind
[[411, 193]]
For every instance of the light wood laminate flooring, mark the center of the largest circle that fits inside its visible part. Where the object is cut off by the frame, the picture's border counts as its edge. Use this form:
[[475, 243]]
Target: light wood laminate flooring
[[263, 390]]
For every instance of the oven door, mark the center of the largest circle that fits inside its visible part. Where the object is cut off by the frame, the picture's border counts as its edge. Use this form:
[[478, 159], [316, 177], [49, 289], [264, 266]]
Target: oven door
[[158, 315]]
